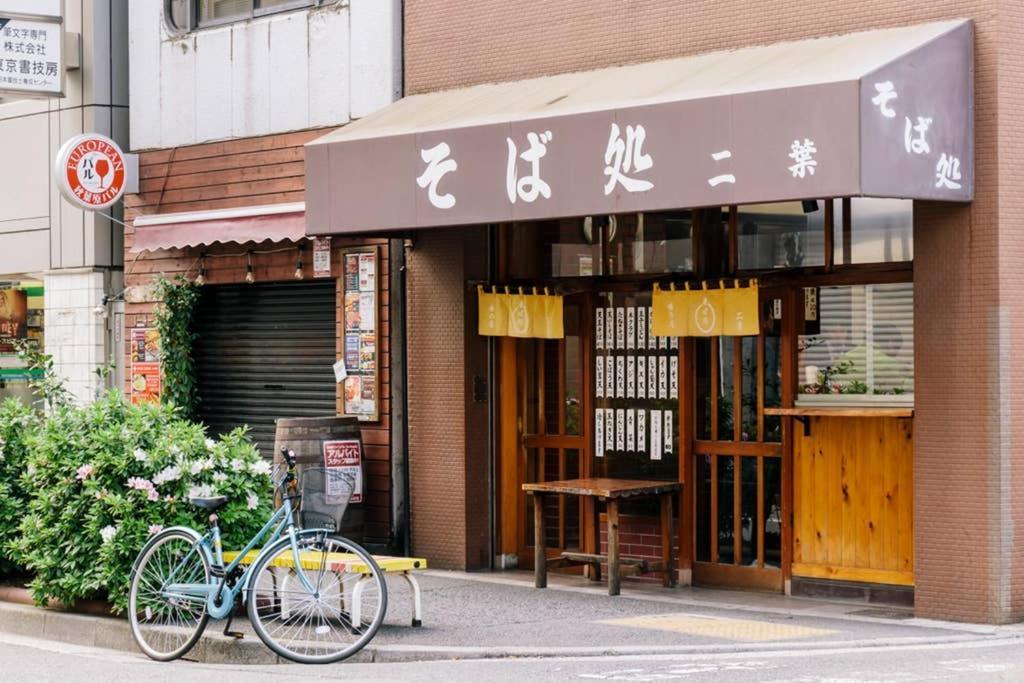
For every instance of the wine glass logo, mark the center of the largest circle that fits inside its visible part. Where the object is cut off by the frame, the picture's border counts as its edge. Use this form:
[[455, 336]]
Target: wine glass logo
[[94, 172]]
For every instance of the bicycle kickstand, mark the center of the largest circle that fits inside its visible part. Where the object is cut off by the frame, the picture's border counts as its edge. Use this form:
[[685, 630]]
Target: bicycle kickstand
[[237, 635]]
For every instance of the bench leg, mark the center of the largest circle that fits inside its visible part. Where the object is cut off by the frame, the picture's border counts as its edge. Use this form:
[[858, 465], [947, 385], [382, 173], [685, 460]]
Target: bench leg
[[540, 556], [417, 606], [614, 577], [357, 604]]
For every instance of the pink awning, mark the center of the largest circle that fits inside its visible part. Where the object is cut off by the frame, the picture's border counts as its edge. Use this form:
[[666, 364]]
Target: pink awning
[[177, 231]]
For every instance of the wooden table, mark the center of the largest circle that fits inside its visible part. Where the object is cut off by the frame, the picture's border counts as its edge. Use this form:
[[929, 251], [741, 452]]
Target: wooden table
[[610, 491]]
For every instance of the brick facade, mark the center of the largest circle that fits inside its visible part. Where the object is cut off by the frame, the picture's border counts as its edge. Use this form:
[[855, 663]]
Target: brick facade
[[968, 313], [253, 172]]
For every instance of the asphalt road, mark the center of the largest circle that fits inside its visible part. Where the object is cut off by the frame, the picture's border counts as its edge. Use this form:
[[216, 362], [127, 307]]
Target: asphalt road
[[24, 659]]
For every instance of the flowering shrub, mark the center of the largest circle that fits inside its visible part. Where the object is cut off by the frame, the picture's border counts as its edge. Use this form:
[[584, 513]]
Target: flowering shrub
[[105, 477], [16, 423]]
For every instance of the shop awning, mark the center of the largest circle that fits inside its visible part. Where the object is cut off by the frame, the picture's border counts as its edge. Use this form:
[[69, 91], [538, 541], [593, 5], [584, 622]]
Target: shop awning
[[885, 113], [273, 222]]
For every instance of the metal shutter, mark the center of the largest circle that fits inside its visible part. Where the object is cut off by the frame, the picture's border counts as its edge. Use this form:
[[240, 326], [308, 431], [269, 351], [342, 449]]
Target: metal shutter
[[265, 351]]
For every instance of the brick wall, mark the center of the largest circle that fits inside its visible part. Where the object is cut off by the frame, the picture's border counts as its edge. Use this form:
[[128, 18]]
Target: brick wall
[[639, 536], [969, 489], [252, 172]]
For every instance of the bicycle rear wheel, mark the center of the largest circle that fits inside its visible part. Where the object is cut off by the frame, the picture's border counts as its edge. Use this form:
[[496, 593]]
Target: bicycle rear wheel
[[329, 620], [166, 627]]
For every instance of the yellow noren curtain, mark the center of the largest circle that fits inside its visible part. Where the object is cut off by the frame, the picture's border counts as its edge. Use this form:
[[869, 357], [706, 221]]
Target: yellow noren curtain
[[520, 314]]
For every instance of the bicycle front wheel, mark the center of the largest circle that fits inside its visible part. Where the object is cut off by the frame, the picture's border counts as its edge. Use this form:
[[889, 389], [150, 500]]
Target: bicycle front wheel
[[324, 608], [167, 624]]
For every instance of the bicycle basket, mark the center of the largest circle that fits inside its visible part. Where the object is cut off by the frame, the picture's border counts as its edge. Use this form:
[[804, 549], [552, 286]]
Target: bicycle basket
[[325, 495]]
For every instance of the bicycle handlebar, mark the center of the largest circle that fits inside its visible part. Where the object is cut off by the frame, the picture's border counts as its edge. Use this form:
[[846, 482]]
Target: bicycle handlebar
[[289, 456]]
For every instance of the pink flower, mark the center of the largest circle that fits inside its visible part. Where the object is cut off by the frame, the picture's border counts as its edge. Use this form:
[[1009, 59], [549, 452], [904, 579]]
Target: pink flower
[[153, 495], [84, 472], [140, 484], [155, 529]]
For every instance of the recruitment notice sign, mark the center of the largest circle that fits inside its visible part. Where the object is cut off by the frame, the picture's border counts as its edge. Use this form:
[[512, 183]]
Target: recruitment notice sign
[[31, 55]]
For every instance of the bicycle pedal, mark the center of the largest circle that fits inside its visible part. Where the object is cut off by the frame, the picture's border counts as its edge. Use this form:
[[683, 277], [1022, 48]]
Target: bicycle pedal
[[237, 635]]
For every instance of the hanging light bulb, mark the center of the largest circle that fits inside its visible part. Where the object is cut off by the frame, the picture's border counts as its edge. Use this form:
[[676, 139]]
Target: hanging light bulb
[[250, 277], [201, 278]]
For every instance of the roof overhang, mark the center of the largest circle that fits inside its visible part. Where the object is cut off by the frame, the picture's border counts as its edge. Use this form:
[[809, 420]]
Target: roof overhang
[[272, 222], [718, 129]]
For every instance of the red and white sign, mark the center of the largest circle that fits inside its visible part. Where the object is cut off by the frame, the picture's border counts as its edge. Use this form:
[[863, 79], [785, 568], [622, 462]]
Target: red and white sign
[[345, 455], [90, 171]]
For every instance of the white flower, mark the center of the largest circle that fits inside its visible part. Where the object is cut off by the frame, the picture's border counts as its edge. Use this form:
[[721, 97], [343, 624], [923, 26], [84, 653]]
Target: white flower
[[220, 477], [174, 450], [201, 466], [237, 464], [210, 443], [141, 455], [155, 529], [108, 532], [172, 473], [252, 501], [261, 466], [204, 491], [31, 469]]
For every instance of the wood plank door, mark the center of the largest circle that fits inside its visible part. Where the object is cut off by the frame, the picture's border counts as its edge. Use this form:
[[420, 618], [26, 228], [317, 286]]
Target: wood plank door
[[737, 465], [552, 377]]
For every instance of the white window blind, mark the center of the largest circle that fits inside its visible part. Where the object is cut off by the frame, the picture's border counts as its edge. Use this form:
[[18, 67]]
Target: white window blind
[[864, 349]]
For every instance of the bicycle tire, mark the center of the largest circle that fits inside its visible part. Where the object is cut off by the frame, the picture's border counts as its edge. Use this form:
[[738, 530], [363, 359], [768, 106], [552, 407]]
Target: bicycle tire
[[316, 609], [139, 573]]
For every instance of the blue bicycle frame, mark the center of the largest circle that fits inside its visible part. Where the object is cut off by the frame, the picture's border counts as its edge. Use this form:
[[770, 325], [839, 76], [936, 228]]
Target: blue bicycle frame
[[218, 595]]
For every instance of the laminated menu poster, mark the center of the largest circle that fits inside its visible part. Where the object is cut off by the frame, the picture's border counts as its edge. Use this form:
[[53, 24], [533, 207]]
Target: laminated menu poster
[[145, 365], [361, 385], [343, 460]]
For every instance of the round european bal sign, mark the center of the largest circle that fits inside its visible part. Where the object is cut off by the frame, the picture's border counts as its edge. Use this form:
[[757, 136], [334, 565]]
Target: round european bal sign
[[90, 171]]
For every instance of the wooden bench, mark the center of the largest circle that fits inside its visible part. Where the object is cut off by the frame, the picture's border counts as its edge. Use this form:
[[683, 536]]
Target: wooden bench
[[349, 563]]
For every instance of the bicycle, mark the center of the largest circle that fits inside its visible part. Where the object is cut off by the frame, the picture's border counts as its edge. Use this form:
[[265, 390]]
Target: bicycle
[[306, 592]]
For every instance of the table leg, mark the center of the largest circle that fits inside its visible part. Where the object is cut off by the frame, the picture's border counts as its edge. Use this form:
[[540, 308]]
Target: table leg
[[613, 547], [669, 572], [540, 556]]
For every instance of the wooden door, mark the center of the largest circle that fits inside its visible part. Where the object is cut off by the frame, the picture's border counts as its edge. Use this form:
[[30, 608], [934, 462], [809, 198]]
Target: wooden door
[[737, 468], [554, 431]]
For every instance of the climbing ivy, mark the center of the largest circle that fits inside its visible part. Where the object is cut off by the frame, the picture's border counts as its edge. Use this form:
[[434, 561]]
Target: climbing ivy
[[174, 317]]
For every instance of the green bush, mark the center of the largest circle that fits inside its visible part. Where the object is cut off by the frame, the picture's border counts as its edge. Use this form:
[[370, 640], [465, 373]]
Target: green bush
[[105, 477], [17, 421]]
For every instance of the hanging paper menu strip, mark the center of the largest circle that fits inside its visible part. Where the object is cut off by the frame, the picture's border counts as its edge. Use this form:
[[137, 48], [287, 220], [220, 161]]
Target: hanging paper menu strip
[[599, 376], [609, 328], [641, 377], [620, 377], [662, 377], [599, 432], [673, 377], [609, 377], [631, 430], [641, 327], [631, 377], [620, 328], [599, 328], [609, 429], [620, 429], [656, 435], [667, 432], [641, 431], [630, 327], [652, 377], [652, 341]]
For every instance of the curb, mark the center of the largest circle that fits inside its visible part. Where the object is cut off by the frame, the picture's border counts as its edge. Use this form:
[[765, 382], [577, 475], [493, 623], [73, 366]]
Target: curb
[[213, 648]]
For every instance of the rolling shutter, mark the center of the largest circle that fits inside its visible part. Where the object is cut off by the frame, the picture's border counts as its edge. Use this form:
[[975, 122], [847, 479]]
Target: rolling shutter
[[265, 351]]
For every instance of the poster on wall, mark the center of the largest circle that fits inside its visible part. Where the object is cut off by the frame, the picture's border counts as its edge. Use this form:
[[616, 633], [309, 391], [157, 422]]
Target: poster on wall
[[145, 365], [13, 318], [360, 353], [343, 460], [322, 257]]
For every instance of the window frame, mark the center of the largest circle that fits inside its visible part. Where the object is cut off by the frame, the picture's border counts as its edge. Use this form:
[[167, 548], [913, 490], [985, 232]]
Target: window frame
[[255, 11]]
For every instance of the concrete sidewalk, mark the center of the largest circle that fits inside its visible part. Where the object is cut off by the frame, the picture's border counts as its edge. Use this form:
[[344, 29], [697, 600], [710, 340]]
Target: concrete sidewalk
[[495, 615]]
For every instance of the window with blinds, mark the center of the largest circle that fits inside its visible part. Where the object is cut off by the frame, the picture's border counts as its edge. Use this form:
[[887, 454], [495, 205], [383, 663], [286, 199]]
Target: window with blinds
[[859, 345]]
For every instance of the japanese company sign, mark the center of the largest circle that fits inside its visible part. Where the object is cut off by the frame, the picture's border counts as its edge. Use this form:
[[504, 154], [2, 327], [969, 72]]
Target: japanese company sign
[[31, 58], [90, 171]]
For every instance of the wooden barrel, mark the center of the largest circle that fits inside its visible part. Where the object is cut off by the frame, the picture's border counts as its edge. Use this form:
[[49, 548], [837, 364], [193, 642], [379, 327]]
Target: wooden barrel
[[306, 436]]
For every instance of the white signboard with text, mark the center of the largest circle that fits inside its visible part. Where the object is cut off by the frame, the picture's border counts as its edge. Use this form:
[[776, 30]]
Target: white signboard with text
[[31, 56]]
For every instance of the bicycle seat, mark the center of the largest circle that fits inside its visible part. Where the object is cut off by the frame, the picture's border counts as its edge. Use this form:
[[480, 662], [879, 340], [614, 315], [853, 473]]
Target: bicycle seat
[[212, 503]]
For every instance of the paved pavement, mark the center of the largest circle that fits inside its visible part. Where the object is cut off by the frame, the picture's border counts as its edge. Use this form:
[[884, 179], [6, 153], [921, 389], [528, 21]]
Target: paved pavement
[[995, 659], [501, 615]]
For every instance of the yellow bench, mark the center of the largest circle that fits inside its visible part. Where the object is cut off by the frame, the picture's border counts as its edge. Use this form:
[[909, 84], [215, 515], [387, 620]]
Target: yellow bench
[[349, 563]]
